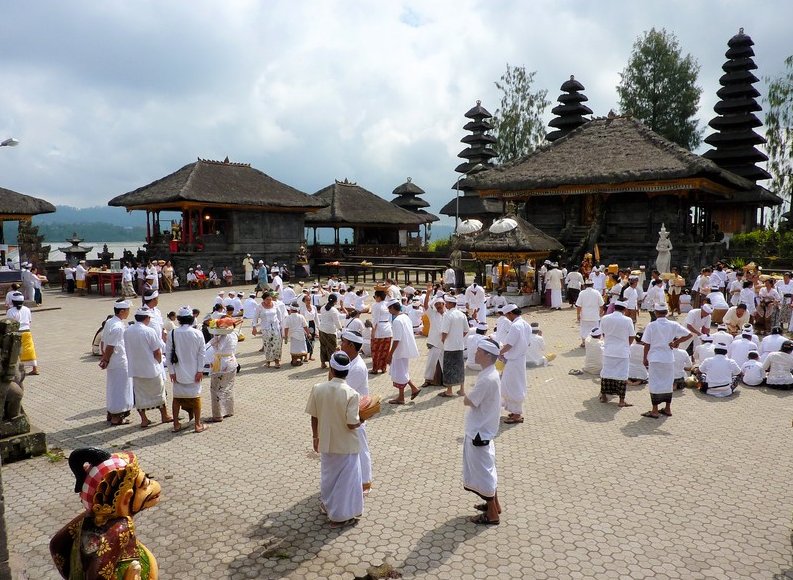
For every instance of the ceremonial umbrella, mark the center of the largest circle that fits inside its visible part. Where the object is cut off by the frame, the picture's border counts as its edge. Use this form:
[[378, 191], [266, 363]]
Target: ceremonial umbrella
[[469, 226], [503, 225]]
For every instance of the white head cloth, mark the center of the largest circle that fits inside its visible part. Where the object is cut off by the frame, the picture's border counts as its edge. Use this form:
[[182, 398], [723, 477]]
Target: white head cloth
[[352, 336], [335, 364]]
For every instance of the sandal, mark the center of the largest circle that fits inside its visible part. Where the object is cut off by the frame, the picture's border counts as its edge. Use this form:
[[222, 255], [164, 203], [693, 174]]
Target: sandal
[[575, 372], [513, 420], [344, 524], [650, 415], [664, 412], [482, 520], [446, 395], [396, 402], [415, 394]]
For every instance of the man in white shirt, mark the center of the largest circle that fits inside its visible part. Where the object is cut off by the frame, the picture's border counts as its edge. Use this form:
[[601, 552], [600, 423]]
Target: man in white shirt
[[144, 362], [277, 283], [454, 328], [588, 307], [553, 282], [403, 350], [618, 335], [630, 296], [333, 406], [593, 353], [740, 347], [780, 368], [247, 267], [449, 278], [661, 337], [495, 302], [683, 365], [127, 281], [513, 353], [118, 388], [80, 276], [184, 352], [752, 371], [736, 317], [721, 335], [574, 282], [475, 300], [719, 374], [705, 350], [734, 289], [772, 343], [483, 404], [697, 323], [21, 313], [433, 371], [358, 380], [415, 313], [598, 278]]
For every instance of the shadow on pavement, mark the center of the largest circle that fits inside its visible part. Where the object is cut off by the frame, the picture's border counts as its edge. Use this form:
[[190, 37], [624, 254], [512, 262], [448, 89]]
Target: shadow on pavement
[[286, 540], [645, 426], [596, 412], [439, 542]]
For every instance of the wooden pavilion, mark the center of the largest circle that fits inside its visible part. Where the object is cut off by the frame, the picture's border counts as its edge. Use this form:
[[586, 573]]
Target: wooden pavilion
[[612, 182], [379, 227], [227, 210], [18, 207]]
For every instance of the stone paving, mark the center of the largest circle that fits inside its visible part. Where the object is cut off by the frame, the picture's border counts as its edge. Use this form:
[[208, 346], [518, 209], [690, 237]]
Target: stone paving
[[589, 491]]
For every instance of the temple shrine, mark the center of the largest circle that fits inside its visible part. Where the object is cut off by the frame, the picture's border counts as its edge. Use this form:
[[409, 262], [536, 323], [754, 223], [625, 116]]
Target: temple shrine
[[225, 210]]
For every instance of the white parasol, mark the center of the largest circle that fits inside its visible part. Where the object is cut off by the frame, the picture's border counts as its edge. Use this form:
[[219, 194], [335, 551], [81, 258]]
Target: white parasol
[[469, 227], [503, 226]]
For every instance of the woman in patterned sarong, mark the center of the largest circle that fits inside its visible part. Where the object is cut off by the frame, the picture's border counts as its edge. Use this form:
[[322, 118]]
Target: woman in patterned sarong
[[268, 320], [381, 333], [222, 374], [767, 314]]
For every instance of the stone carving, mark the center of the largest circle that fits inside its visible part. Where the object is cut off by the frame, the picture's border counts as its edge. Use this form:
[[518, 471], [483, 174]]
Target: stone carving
[[663, 262], [101, 543]]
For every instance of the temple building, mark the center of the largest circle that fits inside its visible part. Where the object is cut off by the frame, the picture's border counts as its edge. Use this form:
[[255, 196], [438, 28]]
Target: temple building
[[613, 182], [734, 143], [407, 198], [226, 210], [569, 113], [376, 227], [18, 207], [478, 156]]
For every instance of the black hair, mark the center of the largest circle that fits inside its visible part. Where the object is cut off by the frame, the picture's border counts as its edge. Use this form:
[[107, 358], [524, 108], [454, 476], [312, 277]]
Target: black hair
[[619, 307], [481, 331], [748, 284], [776, 330], [343, 359], [742, 305], [753, 354], [141, 317], [379, 294], [331, 301], [186, 319], [147, 297], [170, 314], [79, 457], [787, 346], [218, 306]]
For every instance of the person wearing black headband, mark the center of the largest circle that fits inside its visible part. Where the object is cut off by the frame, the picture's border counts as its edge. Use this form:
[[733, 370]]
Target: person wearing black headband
[[333, 406], [719, 374]]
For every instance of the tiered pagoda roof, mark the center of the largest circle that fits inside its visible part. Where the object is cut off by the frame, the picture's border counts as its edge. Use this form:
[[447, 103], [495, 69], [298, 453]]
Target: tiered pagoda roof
[[407, 198], [734, 142], [478, 157], [570, 112]]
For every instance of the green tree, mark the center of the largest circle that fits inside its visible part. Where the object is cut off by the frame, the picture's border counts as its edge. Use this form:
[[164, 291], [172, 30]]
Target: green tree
[[518, 120], [779, 133], [658, 87]]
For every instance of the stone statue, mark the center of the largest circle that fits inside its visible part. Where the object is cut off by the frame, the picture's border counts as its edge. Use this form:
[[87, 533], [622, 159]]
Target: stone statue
[[663, 263], [101, 542]]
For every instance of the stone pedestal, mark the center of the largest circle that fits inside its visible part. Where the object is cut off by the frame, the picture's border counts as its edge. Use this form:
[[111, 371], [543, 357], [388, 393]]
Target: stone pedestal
[[19, 441]]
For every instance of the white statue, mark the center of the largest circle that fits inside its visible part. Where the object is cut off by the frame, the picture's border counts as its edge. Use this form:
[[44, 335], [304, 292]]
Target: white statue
[[663, 263]]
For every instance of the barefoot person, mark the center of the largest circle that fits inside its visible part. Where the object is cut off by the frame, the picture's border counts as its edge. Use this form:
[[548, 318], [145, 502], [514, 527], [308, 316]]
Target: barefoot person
[[118, 388], [403, 350], [618, 334], [185, 353], [481, 427], [333, 406], [660, 338], [513, 352], [144, 356]]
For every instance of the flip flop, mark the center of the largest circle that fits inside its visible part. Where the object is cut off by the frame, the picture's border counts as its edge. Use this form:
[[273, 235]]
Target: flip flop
[[396, 402], [513, 420], [482, 520], [667, 413], [446, 395], [414, 395], [650, 415], [344, 524]]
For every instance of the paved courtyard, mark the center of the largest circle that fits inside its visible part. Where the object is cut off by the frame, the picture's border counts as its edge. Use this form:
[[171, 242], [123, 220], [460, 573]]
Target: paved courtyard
[[589, 491]]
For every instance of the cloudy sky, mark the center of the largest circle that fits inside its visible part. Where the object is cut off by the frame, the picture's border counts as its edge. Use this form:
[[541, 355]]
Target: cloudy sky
[[108, 96]]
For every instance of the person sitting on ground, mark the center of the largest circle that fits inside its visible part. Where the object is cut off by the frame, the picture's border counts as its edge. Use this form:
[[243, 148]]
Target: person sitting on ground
[[637, 372], [735, 318], [719, 374], [192, 281], [780, 368], [752, 371], [721, 335], [771, 343], [705, 350], [536, 355], [740, 347], [683, 365], [593, 357]]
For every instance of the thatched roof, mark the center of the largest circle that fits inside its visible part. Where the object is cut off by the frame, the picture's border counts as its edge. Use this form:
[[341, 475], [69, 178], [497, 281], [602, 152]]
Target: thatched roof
[[471, 205], [524, 239], [348, 204], [13, 203], [218, 182], [609, 150]]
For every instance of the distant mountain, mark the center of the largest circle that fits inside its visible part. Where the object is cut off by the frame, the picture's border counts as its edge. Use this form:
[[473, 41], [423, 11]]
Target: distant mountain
[[89, 231], [65, 214]]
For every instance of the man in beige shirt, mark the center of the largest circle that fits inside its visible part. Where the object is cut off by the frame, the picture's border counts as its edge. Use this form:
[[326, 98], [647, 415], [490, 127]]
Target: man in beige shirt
[[735, 318], [333, 406]]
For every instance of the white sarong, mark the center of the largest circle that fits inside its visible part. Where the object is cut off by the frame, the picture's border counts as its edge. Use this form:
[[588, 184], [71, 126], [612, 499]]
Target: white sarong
[[118, 390], [149, 393], [556, 298], [661, 377], [365, 457], [479, 468], [400, 371], [434, 358], [586, 326], [513, 384], [340, 486], [615, 368]]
